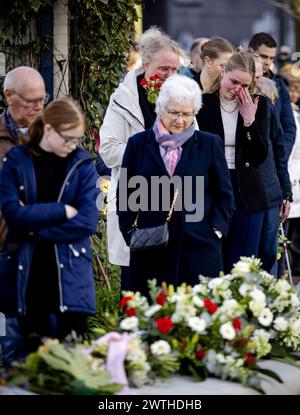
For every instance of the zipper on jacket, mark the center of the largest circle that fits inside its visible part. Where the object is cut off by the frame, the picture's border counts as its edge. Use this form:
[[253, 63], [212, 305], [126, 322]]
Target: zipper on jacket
[[62, 307], [125, 109], [23, 306]]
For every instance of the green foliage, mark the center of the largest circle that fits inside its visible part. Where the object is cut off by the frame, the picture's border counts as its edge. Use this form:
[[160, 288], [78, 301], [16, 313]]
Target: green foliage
[[106, 28], [101, 31], [58, 369]]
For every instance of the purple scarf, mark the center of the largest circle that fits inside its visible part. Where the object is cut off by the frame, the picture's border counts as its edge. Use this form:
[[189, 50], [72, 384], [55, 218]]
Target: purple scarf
[[171, 143]]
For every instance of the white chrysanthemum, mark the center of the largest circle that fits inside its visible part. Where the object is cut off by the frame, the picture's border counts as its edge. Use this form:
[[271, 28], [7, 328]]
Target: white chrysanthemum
[[281, 286], [227, 331], [257, 295], [197, 324], [241, 268], [215, 282], [197, 301], [280, 324], [200, 289], [130, 323], [259, 342], [266, 317], [245, 289], [220, 358], [160, 348], [295, 328], [230, 304], [257, 306], [295, 301], [152, 310], [136, 354]]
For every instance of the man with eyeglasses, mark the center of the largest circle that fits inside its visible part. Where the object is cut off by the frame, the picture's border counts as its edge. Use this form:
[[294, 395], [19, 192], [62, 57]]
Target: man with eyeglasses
[[25, 94]]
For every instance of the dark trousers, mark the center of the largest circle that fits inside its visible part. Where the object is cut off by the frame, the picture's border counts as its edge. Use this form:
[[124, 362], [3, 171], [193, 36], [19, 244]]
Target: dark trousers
[[244, 231], [25, 334]]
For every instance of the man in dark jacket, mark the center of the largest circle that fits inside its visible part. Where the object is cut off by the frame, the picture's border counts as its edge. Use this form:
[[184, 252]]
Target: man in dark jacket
[[265, 46], [24, 90]]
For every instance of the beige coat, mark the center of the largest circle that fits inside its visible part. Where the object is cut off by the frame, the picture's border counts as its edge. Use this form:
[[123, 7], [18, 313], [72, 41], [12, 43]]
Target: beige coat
[[123, 119]]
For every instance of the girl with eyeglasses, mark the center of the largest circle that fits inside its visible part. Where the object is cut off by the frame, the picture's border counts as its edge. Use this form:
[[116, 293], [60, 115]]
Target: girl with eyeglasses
[[48, 198]]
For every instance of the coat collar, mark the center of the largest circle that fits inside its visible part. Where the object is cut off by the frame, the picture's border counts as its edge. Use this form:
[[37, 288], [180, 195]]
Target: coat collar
[[188, 154]]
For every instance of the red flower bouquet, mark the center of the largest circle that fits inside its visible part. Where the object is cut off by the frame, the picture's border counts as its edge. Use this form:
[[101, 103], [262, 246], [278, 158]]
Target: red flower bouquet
[[152, 87]]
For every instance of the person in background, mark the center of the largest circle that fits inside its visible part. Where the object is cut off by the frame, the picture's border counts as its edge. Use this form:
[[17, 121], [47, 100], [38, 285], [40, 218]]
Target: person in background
[[48, 198], [130, 111], [274, 173], [293, 232], [173, 148], [214, 54], [265, 46], [25, 94], [241, 121], [196, 62]]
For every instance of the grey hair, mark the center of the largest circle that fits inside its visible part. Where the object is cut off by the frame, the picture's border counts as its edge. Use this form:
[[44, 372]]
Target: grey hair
[[179, 89], [20, 75], [153, 40], [268, 88]]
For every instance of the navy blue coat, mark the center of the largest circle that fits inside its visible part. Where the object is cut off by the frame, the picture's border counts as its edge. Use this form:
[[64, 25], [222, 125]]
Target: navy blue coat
[[274, 169], [284, 112], [193, 247], [48, 222]]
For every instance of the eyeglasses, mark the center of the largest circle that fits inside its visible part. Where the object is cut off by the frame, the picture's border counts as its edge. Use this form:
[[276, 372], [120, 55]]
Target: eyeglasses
[[185, 115], [70, 140], [167, 69], [33, 102]]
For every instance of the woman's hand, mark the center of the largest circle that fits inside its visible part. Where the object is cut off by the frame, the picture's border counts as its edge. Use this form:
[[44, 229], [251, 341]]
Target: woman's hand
[[70, 211], [247, 107]]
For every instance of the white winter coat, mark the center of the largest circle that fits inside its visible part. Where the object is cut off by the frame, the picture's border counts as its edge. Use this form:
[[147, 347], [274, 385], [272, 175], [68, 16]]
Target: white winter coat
[[294, 170], [123, 119]]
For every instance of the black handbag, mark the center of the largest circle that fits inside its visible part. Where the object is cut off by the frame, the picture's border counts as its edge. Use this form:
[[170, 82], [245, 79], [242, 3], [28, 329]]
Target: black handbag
[[154, 237]]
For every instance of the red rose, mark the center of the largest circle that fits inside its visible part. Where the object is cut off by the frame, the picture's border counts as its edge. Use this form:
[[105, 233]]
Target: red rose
[[125, 300], [154, 77], [200, 353], [236, 324], [164, 324], [210, 306], [143, 82], [241, 342], [130, 312], [250, 360], [159, 84], [161, 299]]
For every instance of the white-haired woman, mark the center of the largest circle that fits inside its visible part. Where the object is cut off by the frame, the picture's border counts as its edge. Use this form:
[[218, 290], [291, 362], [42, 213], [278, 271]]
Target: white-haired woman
[[130, 112], [174, 151]]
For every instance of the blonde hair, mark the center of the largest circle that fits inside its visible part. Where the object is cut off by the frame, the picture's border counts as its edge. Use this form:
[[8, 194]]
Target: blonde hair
[[153, 40], [240, 61], [214, 47]]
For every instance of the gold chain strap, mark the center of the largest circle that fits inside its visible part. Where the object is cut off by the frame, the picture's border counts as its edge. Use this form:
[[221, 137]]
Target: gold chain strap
[[170, 211], [172, 205]]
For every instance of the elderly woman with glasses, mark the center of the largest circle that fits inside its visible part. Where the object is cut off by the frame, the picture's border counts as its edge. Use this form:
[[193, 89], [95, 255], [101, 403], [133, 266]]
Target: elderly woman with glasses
[[173, 158], [48, 199]]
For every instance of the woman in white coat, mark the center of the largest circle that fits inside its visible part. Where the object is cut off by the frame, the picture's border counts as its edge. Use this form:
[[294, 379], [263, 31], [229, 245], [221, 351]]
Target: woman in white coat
[[294, 171], [128, 113]]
